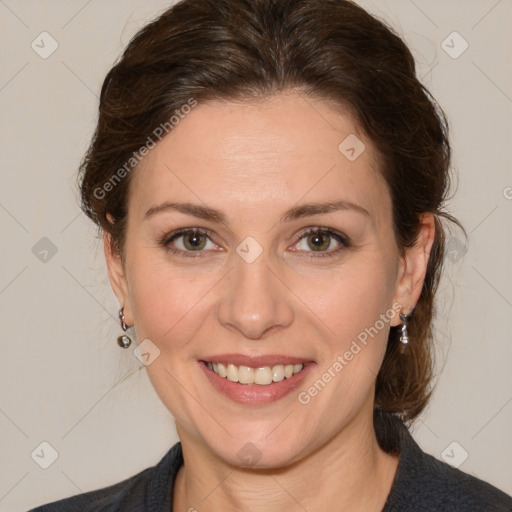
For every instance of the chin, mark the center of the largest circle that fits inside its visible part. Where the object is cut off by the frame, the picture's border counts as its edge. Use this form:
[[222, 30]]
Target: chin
[[254, 451]]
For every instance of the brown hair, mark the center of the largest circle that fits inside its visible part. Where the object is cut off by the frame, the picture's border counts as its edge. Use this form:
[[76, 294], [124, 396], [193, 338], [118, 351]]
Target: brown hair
[[250, 49]]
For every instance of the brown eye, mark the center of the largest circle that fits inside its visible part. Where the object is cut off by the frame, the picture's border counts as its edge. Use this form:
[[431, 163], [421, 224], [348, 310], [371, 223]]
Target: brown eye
[[319, 241], [323, 242], [194, 241], [186, 242]]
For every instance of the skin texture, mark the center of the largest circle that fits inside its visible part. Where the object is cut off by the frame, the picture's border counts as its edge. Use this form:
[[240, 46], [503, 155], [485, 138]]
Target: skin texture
[[253, 161]]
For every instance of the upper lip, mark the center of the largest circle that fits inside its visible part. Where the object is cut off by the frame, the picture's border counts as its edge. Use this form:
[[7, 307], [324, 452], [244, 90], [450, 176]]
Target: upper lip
[[255, 361]]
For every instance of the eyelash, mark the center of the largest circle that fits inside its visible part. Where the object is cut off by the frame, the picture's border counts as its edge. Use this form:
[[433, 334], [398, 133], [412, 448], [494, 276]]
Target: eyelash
[[342, 239]]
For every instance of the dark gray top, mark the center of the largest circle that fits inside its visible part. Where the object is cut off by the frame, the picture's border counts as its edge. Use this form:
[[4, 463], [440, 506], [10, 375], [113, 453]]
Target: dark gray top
[[422, 483]]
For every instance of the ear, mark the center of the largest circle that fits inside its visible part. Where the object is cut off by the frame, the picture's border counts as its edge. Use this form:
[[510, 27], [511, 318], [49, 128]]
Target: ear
[[117, 277], [413, 267]]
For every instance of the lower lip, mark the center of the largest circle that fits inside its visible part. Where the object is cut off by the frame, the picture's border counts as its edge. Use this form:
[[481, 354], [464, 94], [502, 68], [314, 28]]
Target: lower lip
[[255, 394]]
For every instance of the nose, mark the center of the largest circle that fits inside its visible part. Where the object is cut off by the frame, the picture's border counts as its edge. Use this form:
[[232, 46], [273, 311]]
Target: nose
[[254, 300]]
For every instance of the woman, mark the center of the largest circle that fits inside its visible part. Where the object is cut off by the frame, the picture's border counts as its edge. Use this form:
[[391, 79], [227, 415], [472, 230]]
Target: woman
[[270, 177]]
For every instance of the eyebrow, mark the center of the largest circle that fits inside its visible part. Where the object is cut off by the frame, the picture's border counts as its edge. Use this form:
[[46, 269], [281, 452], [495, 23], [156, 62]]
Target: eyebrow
[[297, 212]]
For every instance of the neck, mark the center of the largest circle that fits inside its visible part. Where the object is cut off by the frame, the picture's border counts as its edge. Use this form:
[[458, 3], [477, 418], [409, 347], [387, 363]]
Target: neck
[[350, 472]]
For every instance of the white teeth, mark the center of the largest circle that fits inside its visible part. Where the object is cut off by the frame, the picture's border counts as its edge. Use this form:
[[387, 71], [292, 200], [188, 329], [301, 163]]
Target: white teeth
[[245, 375], [232, 373], [263, 375], [278, 373], [221, 370]]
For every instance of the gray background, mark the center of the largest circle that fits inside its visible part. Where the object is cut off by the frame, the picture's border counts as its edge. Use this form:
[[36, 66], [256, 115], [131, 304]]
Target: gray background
[[63, 379]]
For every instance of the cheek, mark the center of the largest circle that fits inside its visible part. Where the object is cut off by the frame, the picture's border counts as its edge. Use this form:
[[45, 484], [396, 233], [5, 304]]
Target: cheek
[[349, 299], [354, 311], [167, 309]]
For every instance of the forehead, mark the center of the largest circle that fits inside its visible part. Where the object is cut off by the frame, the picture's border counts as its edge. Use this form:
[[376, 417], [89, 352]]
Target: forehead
[[282, 149]]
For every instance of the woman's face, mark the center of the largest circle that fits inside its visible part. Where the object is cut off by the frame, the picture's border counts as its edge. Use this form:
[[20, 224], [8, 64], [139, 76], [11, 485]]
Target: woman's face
[[247, 284]]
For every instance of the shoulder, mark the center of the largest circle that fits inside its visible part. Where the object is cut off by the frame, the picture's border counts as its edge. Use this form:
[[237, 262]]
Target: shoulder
[[434, 485], [106, 499], [426, 484], [148, 490]]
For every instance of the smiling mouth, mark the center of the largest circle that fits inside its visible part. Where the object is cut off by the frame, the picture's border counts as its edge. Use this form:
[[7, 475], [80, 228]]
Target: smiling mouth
[[263, 375]]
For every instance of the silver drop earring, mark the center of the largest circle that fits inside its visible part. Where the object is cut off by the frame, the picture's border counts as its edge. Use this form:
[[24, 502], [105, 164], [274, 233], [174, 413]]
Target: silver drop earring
[[124, 341], [404, 338]]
